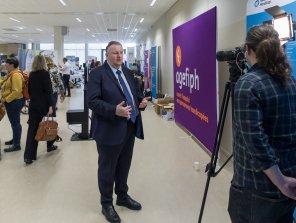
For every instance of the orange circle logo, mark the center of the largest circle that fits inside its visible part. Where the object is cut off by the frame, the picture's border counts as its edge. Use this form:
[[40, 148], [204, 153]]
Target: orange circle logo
[[178, 56]]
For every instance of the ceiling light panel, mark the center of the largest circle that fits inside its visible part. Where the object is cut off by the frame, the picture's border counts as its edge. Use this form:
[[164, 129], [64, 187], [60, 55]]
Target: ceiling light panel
[[153, 2], [62, 2], [13, 19]]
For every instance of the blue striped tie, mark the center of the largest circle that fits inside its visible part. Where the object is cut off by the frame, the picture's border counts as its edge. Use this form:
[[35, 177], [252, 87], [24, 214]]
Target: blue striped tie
[[128, 97]]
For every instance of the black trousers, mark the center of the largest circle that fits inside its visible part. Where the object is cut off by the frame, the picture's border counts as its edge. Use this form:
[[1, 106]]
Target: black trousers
[[31, 144], [114, 165], [66, 79], [247, 206]]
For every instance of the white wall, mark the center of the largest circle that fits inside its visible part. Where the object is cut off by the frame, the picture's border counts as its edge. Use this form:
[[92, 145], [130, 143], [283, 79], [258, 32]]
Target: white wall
[[231, 23]]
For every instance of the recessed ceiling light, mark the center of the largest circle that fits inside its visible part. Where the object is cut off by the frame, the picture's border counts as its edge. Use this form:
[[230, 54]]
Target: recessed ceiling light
[[20, 27], [62, 2], [141, 20], [87, 29], [39, 29], [153, 2], [136, 30], [14, 19], [79, 20]]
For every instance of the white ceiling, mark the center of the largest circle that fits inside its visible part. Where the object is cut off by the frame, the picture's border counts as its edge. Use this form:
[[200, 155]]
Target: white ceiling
[[96, 15]]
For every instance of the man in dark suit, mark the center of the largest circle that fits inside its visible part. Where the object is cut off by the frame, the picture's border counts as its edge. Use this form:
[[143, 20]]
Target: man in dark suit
[[115, 102]]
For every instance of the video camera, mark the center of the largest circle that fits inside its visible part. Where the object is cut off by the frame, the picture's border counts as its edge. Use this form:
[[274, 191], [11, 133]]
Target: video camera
[[233, 55], [236, 61]]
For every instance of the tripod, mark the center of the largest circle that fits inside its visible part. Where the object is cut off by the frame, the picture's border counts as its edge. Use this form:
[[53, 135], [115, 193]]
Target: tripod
[[235, 73]]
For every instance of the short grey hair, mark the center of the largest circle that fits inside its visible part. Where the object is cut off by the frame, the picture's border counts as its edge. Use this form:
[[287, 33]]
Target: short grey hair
[[112, 43]]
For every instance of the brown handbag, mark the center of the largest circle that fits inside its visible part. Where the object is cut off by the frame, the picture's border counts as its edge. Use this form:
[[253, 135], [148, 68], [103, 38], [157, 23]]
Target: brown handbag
[[2, 111], [47, 130]]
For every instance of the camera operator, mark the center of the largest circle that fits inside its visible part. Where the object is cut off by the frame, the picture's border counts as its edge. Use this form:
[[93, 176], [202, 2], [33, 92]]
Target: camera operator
[[263, 188]]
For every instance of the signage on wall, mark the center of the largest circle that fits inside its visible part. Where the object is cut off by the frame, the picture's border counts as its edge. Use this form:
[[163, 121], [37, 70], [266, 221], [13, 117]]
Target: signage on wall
[[195, 77], [280, 14]]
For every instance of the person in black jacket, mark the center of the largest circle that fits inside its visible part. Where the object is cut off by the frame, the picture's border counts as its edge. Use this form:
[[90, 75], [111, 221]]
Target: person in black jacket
[[40, 91]]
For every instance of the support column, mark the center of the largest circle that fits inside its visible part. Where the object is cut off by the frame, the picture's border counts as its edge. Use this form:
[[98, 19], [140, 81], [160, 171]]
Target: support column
[[59, 33], [86, 52]]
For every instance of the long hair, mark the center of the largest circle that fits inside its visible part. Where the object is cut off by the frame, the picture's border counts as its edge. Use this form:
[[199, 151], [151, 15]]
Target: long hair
[[39, 63], [265, 42], [49, 62]]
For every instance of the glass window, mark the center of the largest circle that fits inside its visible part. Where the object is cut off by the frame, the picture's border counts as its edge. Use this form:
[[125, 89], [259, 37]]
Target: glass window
[[75, 49], [46, 46]]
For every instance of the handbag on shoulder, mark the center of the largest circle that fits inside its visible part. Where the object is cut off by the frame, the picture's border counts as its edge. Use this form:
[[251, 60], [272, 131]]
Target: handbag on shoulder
[[47, 130], [2, 111]]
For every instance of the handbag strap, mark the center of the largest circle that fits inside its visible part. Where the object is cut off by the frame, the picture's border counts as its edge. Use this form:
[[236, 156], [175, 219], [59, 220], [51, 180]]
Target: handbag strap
[[58, 139]]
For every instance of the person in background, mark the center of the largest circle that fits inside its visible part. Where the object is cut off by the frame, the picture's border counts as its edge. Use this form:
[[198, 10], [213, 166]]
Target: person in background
[[41, 104], [98, 63], [138, 81], [56, 82], [92, 64], [138, 63], [65, 69], [13, 99], [263, 188], [3, 71], [115, 102]]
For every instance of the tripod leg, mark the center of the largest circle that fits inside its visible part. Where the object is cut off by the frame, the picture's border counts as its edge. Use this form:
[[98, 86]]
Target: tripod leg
[[212, 165]]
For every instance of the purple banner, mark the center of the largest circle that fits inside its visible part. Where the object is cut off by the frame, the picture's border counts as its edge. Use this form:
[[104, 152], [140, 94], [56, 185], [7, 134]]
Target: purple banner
[[195, 80]]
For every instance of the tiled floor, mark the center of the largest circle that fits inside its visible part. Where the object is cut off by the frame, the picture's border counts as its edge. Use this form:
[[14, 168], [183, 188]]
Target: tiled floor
[[61, 187]]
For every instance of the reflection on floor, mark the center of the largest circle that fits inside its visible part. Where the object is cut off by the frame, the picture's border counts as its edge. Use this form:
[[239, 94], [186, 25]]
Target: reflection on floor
[[61, 187]]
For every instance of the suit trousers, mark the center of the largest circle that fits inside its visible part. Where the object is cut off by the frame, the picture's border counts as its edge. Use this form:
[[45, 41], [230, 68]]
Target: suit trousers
[[66, 80], [31, 144], [113, 166]]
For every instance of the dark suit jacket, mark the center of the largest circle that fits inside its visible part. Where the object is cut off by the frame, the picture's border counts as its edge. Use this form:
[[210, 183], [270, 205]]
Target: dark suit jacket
[[104, 94]]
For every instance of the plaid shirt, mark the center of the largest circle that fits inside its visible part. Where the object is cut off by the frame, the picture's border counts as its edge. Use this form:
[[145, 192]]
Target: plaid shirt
[[264, 130]]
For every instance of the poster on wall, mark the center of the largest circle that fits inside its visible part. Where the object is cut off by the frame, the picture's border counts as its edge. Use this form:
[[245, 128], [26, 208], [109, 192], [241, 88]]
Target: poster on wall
[[50, 53], [147, 82], [30, 54], [277, 13], [154, 72], [195, 77], [130, 56]]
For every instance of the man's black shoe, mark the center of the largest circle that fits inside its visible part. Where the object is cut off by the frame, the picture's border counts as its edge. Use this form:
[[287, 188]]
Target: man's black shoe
[[110, 214], [12, 149], [128, 202], [10, 142]]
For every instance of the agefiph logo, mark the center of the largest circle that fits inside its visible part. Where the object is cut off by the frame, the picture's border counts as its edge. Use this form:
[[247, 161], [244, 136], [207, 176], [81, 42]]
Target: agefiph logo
[[257, 2], [185, 78], [178, 56], [262, 3]]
